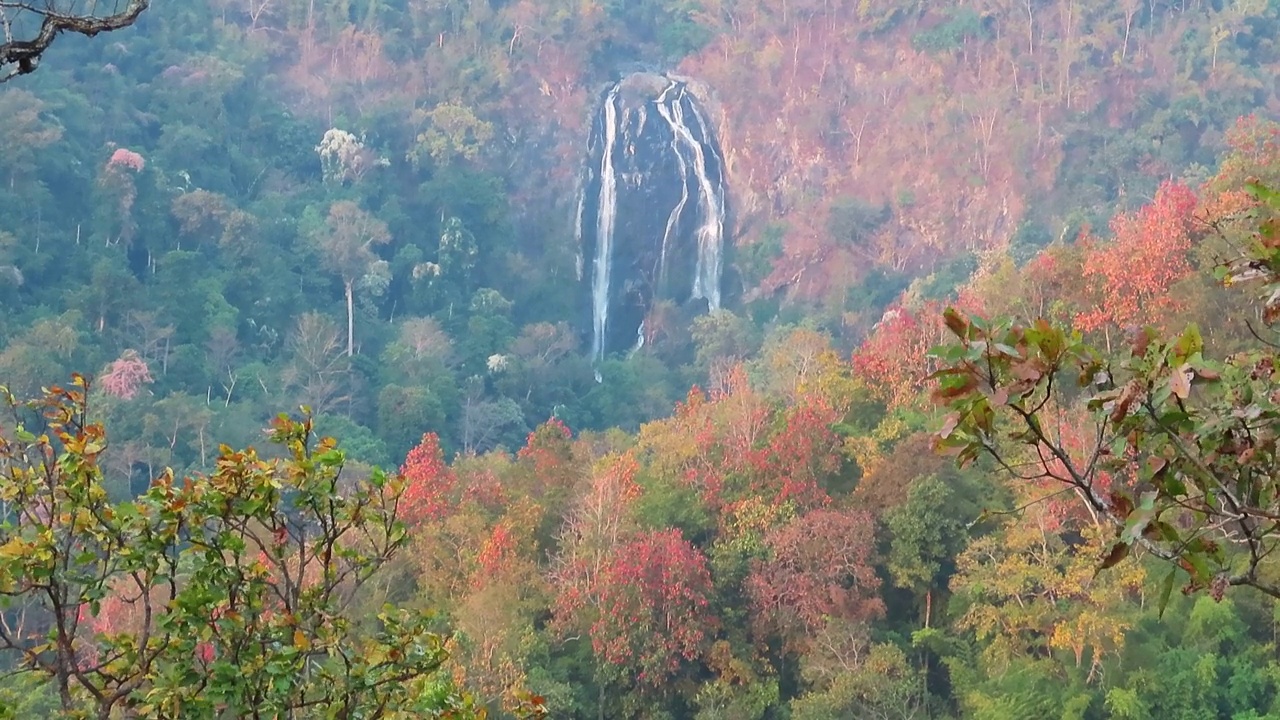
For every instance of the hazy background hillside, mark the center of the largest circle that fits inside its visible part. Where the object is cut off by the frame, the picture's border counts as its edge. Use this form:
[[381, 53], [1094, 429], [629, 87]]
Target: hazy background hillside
[[870, 145], [367, 207]]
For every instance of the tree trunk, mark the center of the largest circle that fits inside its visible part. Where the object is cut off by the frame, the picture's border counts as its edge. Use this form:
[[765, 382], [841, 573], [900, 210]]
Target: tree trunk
[[351, 321], [600, 700]]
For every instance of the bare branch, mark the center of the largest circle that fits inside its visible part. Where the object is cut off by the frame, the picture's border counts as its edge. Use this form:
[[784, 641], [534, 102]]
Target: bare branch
[[19, 56]]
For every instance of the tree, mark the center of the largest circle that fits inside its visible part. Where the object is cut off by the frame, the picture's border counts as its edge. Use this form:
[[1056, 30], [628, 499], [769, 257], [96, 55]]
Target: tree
[[451, 132], [539, 354], [403, 413], [486, 422], [741, 691], [1182, 449], [927, 530], [722, 336], [803, 455], [347, 245], [45, 347], [422, 351], [655, 615], [31, 27], [1033, 587], [593, 531], [640, 597], [878, 684], [26, 133], [820, 568], [218, 595], [686, 445], [119, 191], [344, 157], [894, 357], [429, 482], [125, 376], [1131, 277], [643, 603], [318, 373]]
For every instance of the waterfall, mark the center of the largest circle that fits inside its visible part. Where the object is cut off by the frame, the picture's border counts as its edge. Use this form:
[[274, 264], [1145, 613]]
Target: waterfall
[[577, 233], [710, 232], [673, 219], [651, 214], [606, 215]]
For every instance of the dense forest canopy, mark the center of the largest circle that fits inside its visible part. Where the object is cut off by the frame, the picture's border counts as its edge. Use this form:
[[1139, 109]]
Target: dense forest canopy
[[367, 208]]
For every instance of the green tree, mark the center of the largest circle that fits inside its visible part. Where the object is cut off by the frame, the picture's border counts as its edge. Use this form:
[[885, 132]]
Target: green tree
[[881, 685], [451, 132], [926, 533], [405, 413], [25, 134], [210, 596]]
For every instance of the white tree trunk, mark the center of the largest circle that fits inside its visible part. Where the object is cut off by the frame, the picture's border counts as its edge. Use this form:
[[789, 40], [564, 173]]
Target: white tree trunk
[[351, 320]]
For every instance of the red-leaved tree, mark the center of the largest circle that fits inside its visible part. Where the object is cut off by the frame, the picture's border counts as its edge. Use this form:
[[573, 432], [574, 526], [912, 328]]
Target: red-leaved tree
[[641, 597], [429, 482], [821, 567], [1131, 276], [599, 524], [654, 610], [125, 376], [894, 357], [801, 455], [548, 452]]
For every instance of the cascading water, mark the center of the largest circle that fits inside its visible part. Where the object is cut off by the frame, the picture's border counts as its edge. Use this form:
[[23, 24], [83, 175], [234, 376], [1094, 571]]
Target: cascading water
[[710, 233], [606, 214], [652, 208]]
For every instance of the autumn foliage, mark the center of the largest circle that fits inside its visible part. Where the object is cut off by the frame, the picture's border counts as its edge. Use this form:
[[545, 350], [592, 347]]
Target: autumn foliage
[[820, 567], [733, 442], [894, 357], [125, 376], [641, 597], [1132, 275], [654, 611], [548, 451], [429, 482]]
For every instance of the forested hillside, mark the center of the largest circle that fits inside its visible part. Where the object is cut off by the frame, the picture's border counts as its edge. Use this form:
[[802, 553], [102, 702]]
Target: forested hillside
[[175, 190], [366, 207]]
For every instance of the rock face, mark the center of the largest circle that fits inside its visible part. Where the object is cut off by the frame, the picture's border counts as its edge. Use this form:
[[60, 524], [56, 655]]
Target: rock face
[[652, 210]]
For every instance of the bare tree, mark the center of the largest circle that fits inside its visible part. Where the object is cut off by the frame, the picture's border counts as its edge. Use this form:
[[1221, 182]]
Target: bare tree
[[29, 27], [318, 373], [485, 421]]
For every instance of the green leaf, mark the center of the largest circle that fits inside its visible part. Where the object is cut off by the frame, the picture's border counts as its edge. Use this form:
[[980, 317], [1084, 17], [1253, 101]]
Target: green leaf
[[1166, 589], [1263, 193], [1190, 343], [1163, 531], [1199, 566]]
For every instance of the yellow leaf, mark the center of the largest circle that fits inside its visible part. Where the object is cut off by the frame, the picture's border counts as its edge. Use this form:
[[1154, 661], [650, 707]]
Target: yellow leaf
[[1180, 381], [12, 549]]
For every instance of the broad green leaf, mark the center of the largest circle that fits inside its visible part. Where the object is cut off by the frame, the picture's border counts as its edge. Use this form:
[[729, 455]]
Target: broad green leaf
[[1166, 589]]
